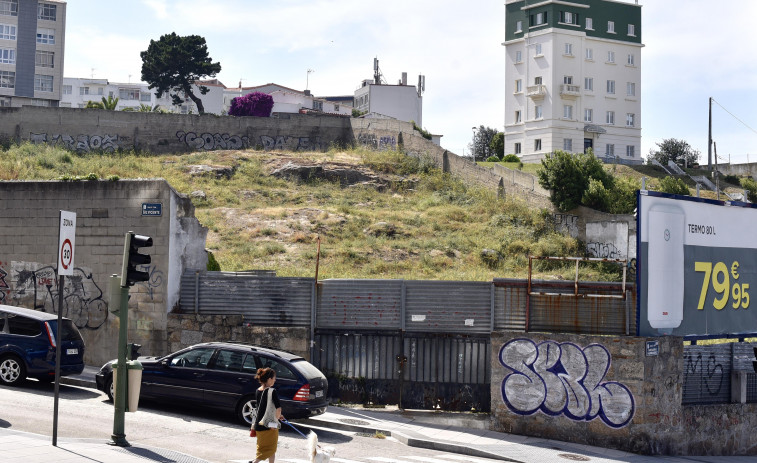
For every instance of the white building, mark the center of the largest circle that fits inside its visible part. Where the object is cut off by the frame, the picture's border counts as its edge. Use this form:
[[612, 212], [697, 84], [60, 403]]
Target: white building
[[573, 78], [287, 100], [32, 41], [401, 101]]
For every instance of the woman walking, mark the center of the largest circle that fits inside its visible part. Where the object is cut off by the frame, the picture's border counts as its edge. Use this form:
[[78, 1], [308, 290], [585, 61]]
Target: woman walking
[[269, 413]]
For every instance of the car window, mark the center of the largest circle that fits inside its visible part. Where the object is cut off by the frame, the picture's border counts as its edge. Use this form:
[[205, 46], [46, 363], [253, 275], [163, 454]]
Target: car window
[[307, 369], [70, 332], [23, 326], [2, 322], [195, 358], [250, 365], [282, 371], [228, 360]]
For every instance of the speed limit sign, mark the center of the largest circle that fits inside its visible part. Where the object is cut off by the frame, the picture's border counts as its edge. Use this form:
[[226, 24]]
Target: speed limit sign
[[67, 234]]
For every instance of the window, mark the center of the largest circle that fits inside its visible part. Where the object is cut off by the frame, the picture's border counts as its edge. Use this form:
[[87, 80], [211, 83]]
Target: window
[[631, 60], [195, 358], [46, 36], [537, 112], [537, 80], [611, 27], [631, 30], [589, 54], [44, 59], [538, 49], [630, 151], [228, 360], [23, 326], [7, 32], [128, 94], [518, 26], [318, 105], [9, 7], [567, 80], [518, 56], [567, 145], [567, 17], [537, 19], [100, 91], [46, 11], [611, 87], [588, 115], [630, 120], [610, 117], [610, 56], [589, 83], [83, 90], [518, 86], [7, 56], [569, 49], [518, 118], [7, 79], [517, 148], [609, 149], [537, 144], [336, 108], [590, 24], [630, 89], [67, 89], [567, 111], [43, 83], [145, 96]]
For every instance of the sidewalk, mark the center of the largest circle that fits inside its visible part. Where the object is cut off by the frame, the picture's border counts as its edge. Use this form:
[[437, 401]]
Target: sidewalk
[[460, 433]]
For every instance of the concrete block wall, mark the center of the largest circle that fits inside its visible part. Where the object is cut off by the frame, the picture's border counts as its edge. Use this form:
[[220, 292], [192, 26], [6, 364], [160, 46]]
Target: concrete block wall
[[609, 392], [105, 211]]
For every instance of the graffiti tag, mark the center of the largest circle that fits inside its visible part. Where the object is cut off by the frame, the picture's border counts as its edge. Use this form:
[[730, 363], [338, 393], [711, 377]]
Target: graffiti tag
[[155, 279], [213, 141], [378, 143], [292, 143], [79, 143], [4, 288], [567, 223], [709, 370], [604, 251], [563, 379]]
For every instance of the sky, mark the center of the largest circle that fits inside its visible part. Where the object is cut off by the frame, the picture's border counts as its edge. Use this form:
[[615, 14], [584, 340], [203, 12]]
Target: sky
[[688, 57]]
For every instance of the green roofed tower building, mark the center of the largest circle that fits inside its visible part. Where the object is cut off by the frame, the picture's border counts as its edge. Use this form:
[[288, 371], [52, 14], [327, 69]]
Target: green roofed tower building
[[573, 78]]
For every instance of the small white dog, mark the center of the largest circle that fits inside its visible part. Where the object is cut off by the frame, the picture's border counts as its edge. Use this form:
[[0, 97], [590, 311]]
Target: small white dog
[[317, 453]]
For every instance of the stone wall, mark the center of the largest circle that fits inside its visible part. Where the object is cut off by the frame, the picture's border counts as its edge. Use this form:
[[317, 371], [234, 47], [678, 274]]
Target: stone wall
[[609, 392], [105, 211], [187, 329]]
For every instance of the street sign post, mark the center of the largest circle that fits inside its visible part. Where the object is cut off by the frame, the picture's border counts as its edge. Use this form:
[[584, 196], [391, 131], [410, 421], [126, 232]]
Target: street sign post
[[66, 246]]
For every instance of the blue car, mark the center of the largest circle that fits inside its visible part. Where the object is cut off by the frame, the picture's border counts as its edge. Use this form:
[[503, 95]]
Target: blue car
[[221, 375], [28, 345]]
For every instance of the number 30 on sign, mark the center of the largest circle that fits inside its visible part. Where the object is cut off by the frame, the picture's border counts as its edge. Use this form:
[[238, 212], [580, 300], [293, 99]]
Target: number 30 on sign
[[718, 277]]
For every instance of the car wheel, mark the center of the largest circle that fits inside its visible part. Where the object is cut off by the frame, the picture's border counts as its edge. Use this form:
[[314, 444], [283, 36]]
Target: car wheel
[[245, 409], [12, 370], [109, 388]]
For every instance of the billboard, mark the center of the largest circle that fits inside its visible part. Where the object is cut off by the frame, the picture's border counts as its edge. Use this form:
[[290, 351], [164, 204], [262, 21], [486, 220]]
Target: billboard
[[696, 266]]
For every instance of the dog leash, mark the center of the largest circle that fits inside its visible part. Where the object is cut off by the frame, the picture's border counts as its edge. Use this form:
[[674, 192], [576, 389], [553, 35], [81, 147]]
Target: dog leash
[[292, 426]]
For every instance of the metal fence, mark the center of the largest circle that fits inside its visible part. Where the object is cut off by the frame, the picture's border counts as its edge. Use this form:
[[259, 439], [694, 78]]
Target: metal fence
[[707, 372]]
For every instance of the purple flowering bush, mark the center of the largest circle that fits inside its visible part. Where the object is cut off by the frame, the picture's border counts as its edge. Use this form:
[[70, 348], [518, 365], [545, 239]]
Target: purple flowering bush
[[253, 104]]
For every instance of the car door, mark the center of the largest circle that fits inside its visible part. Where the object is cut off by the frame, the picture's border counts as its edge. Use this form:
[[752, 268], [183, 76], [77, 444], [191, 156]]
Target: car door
[[226, 380], [181, 377]]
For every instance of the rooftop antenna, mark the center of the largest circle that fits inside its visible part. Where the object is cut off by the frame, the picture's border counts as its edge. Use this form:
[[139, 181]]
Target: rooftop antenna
[[240, 82], [377, 77], [421, 84], [307, 79]]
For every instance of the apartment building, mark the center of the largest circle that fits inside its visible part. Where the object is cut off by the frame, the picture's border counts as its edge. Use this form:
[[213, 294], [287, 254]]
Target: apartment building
[[573, 78], [32, 41]]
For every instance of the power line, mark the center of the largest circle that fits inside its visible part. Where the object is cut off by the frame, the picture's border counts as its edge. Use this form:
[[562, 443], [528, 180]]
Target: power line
[[732, 115]]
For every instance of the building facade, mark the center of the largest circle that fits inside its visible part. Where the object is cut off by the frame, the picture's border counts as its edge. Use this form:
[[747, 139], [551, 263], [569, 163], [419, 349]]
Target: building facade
[[77, 92], [32, 41], [401, 101], [573, 78]]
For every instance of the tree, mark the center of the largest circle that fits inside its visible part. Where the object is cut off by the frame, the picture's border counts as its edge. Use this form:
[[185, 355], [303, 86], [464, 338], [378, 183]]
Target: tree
[[174, 64], [110, 103], [498, 144], [674, 185], [94, 105], [674, 150], [567, 177], [253, 104], [480, 146]]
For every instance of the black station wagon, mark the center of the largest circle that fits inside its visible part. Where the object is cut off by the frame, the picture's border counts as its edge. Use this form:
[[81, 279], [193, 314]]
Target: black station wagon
[[222, 375]]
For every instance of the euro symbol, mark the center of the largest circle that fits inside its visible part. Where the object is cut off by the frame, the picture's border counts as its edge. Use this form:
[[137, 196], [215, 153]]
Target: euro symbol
[[734, 268]]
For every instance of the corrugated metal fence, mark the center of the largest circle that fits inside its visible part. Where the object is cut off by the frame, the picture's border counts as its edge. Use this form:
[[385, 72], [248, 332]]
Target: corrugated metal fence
[[707, 372]]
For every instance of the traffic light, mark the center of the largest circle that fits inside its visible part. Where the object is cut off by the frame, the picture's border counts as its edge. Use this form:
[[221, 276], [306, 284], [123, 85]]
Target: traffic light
[[132, 258]]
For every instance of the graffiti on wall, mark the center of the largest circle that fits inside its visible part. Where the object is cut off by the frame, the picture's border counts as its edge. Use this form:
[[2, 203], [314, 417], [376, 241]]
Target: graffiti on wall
[[213, 141], [155, 279], [604, 251], [708, 369], [37, 286], [4, 287], [563, 379], [80, 143], [567, 223], [293, 143], [377, 143]]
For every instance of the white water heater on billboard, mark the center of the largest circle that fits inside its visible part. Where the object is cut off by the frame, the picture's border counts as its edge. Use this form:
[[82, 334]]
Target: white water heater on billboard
[[665, 267]]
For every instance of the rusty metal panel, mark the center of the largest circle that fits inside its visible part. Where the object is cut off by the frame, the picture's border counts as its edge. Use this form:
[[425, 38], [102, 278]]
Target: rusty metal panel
[[707, 374], [448, 307], [510, 304], [359, 304], [261, 299]]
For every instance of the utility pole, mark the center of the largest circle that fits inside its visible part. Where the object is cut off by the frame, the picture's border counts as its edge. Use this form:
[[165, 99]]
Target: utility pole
[[709, 140]]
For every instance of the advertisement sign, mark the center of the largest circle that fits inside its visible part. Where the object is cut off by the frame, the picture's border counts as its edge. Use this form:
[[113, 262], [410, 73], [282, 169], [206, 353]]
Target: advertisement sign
[[697, 266]]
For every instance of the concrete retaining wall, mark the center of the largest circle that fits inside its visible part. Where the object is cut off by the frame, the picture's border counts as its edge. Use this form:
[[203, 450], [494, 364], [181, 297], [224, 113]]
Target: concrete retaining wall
[[609, 392]]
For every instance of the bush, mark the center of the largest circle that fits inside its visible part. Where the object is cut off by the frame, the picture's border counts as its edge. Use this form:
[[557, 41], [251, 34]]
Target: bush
[[567, 177], [511, 158], [623, 195], [425, 134], [94, 105], [596, 196], [674, 185], [492, 159], [253, 104], [732, 179], [751, 187]]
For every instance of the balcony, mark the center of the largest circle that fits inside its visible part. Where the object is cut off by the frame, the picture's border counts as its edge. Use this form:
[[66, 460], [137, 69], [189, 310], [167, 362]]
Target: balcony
[[536, 91], [570, 91]]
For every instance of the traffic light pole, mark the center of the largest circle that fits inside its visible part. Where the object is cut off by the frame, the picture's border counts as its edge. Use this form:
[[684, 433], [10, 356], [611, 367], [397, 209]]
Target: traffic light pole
[[119, 400]]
